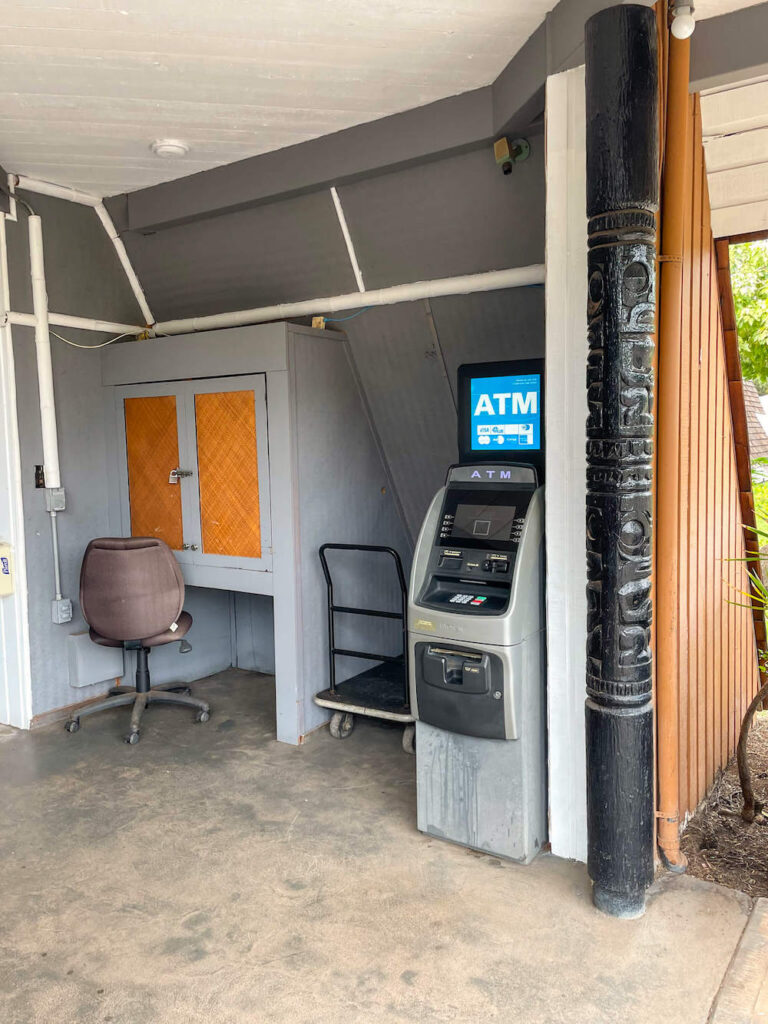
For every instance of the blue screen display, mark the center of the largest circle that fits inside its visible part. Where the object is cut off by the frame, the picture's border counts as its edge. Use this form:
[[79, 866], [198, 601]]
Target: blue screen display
[[506, 413]]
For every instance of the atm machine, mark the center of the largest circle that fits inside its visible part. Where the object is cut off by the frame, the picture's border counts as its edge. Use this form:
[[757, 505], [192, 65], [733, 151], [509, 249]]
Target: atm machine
[[476, 624]]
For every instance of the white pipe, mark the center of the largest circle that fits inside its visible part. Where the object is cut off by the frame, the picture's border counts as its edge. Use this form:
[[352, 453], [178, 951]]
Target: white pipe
[[43, 349], [56, 557], [15, 616], [73, 195], [122, 255], [494, 280], [11, 186], [348, 239], [47, 188], [80, 323]]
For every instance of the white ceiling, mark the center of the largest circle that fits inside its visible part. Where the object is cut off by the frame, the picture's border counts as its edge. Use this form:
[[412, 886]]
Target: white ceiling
[[87, 85], [735, 130]]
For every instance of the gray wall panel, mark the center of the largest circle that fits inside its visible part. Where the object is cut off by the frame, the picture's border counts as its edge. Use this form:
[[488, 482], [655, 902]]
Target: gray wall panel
[[489, 326], [409, 375], [401, 372], [255, 632], [283, 252], [83, 278], [454, 216], [344, 497]]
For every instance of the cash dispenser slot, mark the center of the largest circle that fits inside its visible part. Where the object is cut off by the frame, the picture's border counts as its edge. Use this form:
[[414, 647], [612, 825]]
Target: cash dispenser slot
[[446, 668], [468, 597], [460, 690]]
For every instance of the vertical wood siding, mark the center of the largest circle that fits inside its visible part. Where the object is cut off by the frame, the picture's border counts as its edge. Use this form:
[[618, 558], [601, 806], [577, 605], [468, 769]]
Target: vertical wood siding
[[718, 658]]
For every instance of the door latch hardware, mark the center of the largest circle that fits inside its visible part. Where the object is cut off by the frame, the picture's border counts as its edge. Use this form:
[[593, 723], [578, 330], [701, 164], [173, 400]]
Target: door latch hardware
[[177, 474], [189, 547]]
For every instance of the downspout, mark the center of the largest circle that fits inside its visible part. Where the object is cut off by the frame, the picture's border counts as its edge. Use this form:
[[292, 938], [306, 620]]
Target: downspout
[[61, 608], [43, 351], [674, 195]]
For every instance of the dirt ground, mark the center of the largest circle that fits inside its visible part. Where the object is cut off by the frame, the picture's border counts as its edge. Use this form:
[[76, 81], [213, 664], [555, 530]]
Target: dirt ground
[[719, 845]]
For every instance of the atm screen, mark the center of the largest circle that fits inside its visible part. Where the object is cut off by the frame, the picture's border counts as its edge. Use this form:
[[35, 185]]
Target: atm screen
[[483, 522], [506, 413]]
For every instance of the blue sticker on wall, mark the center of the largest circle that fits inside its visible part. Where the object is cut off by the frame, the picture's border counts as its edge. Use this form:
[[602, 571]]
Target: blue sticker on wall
[[506, 413]]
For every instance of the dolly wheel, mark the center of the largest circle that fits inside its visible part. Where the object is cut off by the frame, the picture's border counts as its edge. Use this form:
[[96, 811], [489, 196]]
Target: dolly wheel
[[342, 724], [409, 739]]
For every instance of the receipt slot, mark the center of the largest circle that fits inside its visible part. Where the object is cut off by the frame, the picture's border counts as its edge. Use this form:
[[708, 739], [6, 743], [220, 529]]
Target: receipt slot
[[477, 659]]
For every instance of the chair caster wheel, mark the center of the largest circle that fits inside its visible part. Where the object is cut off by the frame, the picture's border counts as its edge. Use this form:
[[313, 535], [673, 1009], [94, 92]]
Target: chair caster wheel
[[72, 725], [202, 716], [132, 737]]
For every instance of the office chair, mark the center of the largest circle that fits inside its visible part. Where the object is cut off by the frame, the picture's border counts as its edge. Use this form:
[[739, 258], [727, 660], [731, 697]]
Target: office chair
[[131, 596]]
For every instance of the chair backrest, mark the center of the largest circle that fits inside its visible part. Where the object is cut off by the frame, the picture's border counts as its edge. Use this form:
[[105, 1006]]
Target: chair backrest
[[131, 588]]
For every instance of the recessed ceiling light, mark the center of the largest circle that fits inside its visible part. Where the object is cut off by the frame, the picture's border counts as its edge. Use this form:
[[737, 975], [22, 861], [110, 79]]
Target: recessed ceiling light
[[169, 149]]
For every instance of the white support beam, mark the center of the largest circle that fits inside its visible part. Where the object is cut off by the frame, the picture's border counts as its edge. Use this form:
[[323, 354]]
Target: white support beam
[[15, 664], [566, 418]]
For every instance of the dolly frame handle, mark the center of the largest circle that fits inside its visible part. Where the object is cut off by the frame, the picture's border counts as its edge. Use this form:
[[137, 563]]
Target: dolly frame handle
[[332, 608]]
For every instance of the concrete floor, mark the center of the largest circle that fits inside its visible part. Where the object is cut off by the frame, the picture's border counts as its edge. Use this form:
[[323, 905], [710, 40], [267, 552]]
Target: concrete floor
[[211, 874]]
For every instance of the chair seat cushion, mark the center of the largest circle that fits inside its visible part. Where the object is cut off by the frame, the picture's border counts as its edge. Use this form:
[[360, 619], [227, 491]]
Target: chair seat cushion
[[183, 623]]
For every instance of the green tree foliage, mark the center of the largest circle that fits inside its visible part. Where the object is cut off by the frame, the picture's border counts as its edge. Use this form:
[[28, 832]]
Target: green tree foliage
[[749, 280]]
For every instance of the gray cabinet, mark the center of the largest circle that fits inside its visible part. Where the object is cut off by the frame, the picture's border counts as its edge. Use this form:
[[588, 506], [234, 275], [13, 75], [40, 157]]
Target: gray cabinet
[[320, 477]]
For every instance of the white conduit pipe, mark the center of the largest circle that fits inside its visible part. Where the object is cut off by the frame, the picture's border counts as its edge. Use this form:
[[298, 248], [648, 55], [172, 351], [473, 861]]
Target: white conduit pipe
[[73, 195], [43, 350], [348, 240], [47, 188], [122, 255], [79, 323], [494, 280]]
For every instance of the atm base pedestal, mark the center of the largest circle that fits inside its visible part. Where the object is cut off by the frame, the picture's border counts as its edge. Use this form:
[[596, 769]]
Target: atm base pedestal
[[480, 793]]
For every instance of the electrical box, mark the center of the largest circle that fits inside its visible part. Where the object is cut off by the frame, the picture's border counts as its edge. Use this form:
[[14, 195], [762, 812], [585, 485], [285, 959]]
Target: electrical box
[[61, 610], [6, 569], [55, 499]]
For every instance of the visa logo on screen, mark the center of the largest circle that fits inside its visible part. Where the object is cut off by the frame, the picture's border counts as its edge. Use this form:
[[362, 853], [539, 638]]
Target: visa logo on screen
[[506, 413]]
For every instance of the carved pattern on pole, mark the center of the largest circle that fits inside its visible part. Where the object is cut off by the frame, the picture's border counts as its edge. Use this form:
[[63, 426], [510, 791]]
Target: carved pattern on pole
[[620, 312], [622, 199]]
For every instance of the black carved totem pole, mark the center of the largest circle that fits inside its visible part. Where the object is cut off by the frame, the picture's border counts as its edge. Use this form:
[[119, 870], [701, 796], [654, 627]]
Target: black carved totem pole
[[622, 199]]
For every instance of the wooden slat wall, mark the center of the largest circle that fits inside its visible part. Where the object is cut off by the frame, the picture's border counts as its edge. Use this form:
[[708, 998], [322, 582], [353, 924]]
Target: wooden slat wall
[[718, 658]]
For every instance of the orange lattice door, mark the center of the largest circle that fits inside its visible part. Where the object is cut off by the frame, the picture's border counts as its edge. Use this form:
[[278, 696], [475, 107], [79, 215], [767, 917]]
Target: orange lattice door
[[152, 448], [228, 472]]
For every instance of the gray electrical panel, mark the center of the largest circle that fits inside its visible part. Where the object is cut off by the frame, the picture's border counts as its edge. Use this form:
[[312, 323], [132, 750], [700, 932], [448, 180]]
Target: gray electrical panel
[[477, 661]]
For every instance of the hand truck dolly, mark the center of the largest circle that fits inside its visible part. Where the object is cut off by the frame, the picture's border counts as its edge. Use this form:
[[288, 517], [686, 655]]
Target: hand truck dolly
[[378, 692]]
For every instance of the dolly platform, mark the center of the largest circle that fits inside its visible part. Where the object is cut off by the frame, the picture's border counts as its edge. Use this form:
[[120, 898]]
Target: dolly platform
[[378, 692]]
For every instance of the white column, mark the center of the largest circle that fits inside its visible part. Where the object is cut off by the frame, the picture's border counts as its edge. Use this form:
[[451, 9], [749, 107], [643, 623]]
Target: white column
[[15, 668], [566, 415]]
